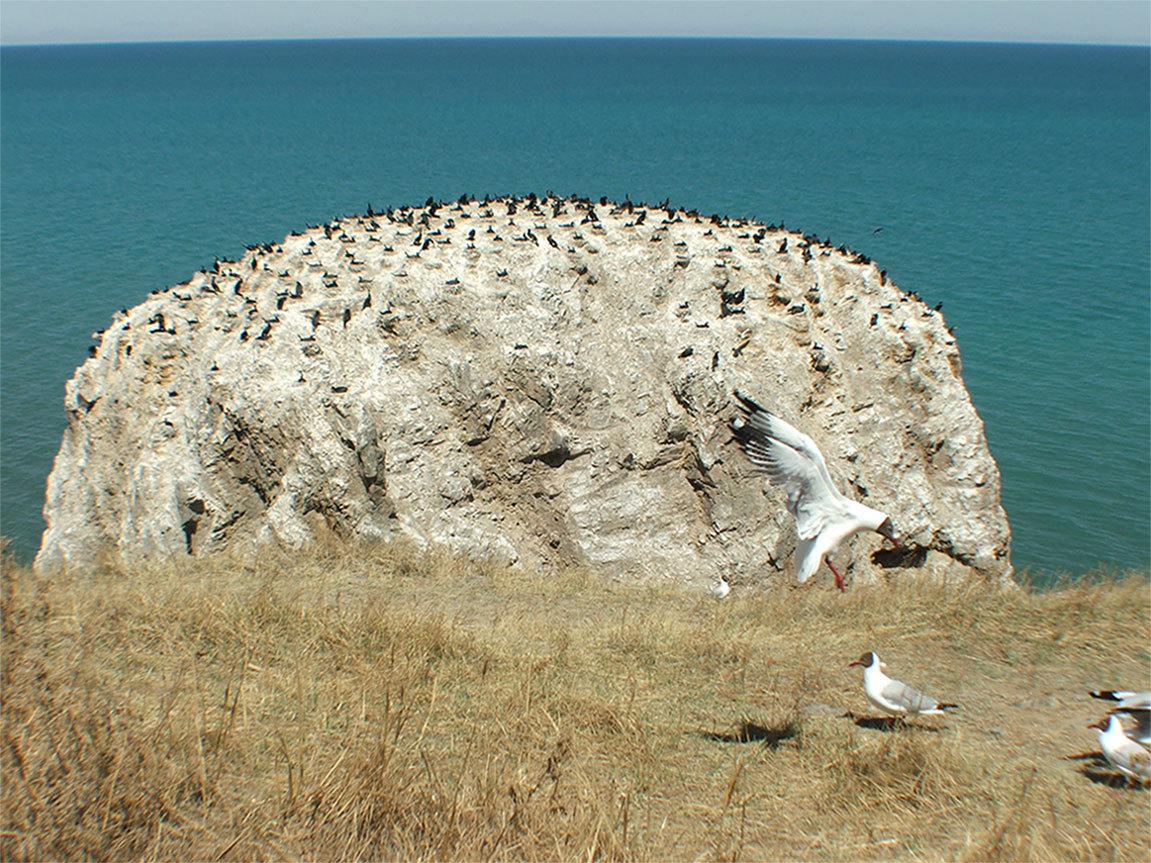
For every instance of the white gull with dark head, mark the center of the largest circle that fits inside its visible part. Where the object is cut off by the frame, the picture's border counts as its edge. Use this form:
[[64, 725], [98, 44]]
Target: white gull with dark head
[[823, 517]]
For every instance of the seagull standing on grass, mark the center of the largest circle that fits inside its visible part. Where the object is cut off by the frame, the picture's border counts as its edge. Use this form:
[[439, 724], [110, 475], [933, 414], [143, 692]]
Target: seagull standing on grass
[[722, 588], [1125, 755], [823, 517], [1131, 709], [893, 697]]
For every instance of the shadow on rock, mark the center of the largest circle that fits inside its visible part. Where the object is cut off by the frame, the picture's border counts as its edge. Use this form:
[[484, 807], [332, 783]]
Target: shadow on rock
[[903, 557]]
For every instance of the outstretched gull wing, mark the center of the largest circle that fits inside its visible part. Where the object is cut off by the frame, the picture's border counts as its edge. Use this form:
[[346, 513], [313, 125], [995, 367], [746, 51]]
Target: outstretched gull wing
[[772, 426], [791, 460]]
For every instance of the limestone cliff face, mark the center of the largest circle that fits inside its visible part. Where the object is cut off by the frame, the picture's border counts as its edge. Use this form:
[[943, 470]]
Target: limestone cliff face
[[539, 381]]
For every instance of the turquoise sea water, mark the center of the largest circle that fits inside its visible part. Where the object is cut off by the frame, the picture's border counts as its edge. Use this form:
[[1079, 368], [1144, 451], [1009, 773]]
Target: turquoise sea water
[[1012, 183]]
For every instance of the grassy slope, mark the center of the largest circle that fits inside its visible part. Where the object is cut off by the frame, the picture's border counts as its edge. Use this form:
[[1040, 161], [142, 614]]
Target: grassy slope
[[376, 703]]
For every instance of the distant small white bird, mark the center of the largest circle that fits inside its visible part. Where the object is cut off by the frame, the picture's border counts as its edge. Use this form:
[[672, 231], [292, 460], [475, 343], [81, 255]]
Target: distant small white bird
[[1133, 710], [1124, 754], [823, 517], [893, 697], [722, 588]]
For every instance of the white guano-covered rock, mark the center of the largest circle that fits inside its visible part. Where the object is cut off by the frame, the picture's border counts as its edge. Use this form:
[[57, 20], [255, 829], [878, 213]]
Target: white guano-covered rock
[[540, 382]]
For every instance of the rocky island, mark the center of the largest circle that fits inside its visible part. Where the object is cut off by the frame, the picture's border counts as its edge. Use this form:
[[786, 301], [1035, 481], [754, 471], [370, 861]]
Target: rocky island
[[540, 381]]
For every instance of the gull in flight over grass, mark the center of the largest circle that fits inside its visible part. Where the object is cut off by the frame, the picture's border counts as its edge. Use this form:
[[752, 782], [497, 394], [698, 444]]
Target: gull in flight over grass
[[893, 697], [1132, 709], [1124, 754], [823, 517]]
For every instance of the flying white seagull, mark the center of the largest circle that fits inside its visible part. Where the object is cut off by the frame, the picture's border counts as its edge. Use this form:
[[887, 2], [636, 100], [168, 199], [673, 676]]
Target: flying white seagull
[[1132, 709], [1125, 755], [893, 697], [823, 517]]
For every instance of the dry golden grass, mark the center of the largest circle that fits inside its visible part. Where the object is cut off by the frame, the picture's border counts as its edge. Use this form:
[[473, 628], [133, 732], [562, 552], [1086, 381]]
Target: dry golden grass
[[375, 703]]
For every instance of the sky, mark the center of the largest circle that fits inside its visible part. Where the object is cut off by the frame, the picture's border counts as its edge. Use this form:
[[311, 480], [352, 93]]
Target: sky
[[1118, 22]]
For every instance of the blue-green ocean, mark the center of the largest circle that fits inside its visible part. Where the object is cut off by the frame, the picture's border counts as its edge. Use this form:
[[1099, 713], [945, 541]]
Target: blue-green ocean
[[1012, 183]]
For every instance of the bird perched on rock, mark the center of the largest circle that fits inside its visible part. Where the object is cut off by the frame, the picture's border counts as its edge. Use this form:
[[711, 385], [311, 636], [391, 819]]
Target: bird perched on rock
[[722, 588], [1132, 709], [823, 517], [1123, 753], [893, 697]]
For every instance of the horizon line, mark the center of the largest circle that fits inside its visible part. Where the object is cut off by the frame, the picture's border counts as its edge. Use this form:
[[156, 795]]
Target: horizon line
[[599, 37]]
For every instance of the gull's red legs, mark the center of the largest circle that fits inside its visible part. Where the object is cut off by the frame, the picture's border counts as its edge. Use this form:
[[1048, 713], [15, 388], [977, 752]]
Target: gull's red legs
[[835, 572]]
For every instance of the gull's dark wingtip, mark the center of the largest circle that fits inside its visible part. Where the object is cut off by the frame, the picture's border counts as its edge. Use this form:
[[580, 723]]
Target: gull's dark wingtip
[[741, 431], [748, 405]]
